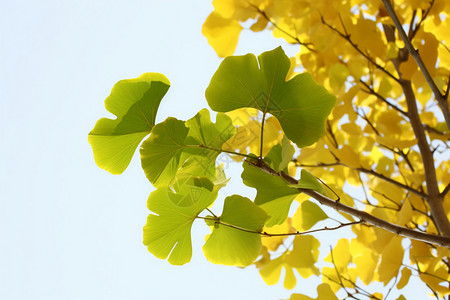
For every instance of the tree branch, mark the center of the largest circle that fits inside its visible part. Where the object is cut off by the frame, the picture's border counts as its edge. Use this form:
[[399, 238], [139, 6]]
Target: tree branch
[[434, 197], [415, 54], [362, 215]]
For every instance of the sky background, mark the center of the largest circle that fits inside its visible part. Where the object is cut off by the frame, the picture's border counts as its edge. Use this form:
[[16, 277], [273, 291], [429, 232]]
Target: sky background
[[69, 230]]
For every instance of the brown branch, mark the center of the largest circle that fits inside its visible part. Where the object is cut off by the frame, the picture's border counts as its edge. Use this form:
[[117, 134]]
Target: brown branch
[[440, 98], [445, 191], [435, 199], [424, 16], [362, 215]]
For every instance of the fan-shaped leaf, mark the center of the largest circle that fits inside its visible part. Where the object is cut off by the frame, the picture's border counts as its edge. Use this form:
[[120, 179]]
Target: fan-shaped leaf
[[135, 103], [168, 231], [231, 246], [300, 105], [273, 195], [193, 145]]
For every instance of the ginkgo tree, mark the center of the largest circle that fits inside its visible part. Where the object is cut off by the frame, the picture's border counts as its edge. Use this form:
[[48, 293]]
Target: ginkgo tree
[[361, 133]]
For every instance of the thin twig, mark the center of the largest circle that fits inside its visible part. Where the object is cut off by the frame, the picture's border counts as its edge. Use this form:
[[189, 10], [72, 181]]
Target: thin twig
[[434, 200], [372, 91], [266, 234], [367, 57], [296, 39]]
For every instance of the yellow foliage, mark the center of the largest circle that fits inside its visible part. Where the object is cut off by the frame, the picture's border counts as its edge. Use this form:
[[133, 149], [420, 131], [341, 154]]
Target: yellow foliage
[[222, 33], [346, 47], [391, 260], [404, 279], [324, 292], [340, 255], [304, 255]]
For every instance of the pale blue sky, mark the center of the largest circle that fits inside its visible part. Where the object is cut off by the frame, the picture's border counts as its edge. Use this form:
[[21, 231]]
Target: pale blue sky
[[69, 230]]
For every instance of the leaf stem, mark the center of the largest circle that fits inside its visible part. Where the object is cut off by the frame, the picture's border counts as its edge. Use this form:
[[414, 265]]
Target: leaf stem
[[221, 150], [262, 136]]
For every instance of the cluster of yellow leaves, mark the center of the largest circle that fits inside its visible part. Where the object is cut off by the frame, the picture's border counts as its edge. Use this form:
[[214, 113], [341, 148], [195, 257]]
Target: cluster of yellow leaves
[[347, 47]]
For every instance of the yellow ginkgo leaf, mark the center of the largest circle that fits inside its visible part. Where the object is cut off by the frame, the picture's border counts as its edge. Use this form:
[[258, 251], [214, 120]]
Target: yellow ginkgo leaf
[[304, 255], [222, 33], [404, 279], [391, 260], [324, 292], [340, 255]]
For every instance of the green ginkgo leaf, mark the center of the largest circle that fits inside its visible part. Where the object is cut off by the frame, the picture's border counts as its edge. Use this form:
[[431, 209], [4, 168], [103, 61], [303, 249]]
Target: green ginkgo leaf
[[273, 194], [311, 213], [280, 155], [192, 145], [168, 230], [135, 103], [300, 104], [231, 246], [309, 181]]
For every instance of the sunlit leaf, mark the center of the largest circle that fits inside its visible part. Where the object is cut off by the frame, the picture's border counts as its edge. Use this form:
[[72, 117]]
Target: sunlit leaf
[[222, 33], [391, 260], [324, 292], [271, 272], [304, 255], [280, 155], [168, 228], [173, 142], [135, 103], [273, 195], [300, 105], [404, 279], [228, 245], [309, 181], [307, 215]]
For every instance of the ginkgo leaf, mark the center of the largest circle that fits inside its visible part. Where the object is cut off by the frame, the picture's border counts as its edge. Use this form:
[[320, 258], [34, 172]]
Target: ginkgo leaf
[[273, 195], [168, 229], [307, 215], [304, 255], [280, 155], [222, 33], [196, 142], [300, 105], [309, 181], [391, 260], [340, 257], [135, 103], [271, 272], [231, 246], [404, 279], [324, 292]]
